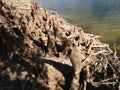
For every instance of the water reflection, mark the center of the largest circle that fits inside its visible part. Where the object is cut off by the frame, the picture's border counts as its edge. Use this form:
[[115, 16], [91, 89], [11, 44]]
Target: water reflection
[[101, 7]]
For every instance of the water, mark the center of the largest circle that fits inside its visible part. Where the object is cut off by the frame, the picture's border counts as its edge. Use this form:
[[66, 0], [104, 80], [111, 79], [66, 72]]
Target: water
[[101, 17]]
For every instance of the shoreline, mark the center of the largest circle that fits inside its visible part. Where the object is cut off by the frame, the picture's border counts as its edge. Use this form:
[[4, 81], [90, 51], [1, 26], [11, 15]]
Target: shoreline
[[41, 51], [102, 38]]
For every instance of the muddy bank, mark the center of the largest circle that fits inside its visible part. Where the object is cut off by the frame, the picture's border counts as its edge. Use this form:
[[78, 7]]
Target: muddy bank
[[39, 50]]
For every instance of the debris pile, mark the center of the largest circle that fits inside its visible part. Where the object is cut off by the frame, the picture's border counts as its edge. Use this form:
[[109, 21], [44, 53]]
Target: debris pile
[[39, 50]]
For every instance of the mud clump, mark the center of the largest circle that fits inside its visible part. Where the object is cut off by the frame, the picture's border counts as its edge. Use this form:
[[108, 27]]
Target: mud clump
[[39, 50]]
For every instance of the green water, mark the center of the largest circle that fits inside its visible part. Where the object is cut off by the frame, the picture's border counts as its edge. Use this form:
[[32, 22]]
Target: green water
[[101, 17]]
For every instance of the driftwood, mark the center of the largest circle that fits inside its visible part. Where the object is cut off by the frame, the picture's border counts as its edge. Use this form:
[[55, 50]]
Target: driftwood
[[37, 42]]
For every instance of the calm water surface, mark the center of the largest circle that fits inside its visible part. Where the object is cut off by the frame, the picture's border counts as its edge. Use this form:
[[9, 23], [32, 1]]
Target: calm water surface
[[100, 17]]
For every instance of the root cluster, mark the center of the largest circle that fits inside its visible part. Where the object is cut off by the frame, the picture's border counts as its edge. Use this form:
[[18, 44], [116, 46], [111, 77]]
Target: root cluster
[[39, 50]]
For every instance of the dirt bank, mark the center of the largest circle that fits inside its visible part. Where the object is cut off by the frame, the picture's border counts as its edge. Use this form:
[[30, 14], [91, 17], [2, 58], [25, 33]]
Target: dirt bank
[[39, 50]]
